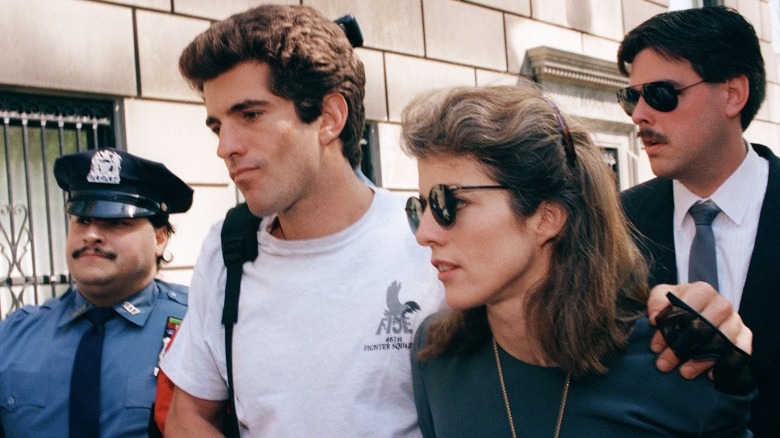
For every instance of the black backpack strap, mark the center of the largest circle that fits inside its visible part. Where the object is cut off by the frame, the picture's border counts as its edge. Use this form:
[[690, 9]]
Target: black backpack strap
[[239, 245]]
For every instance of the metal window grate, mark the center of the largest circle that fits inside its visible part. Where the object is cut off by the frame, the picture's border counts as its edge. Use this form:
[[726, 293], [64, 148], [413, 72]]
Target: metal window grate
[[35, 131]]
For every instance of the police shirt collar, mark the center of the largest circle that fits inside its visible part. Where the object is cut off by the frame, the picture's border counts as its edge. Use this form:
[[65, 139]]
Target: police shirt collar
[[135, 308]]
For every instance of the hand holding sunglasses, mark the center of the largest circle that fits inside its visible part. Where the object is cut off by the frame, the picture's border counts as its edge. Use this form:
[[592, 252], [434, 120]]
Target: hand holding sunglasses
[[691, 336], [661, 96]]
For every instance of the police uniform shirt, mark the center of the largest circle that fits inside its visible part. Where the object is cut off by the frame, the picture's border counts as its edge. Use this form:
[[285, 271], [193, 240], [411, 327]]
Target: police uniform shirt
[[38, 346]]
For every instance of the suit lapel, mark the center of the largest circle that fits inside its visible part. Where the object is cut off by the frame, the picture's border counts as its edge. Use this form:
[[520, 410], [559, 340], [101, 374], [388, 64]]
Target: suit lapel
[[650, 208], [760, 304]]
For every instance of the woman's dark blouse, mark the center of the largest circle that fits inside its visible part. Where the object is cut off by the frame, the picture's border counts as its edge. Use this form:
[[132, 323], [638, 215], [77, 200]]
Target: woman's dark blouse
[[460, 396]]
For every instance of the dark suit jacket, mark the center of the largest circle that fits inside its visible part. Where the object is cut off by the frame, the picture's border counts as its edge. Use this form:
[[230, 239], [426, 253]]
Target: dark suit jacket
[[650, 207]]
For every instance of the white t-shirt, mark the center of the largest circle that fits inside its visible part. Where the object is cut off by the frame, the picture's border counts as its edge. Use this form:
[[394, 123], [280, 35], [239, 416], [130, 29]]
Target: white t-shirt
[[321, 347]]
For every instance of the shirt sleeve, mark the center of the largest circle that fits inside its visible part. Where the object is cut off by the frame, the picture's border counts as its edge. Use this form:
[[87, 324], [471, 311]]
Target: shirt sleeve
[[196, 359]]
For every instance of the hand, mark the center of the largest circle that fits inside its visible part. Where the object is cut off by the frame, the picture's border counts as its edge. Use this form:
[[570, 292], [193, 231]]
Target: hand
[[704, 299]]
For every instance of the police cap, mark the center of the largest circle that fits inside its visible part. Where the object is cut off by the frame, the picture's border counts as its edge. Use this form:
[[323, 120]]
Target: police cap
[[108, 184]]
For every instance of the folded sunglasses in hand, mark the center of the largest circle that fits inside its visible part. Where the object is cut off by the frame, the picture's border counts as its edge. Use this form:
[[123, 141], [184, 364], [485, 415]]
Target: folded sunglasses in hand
[[691, 336]]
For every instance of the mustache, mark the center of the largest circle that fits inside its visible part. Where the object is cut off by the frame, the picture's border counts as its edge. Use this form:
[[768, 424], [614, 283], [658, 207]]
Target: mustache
[[103, 253], [650, 134]]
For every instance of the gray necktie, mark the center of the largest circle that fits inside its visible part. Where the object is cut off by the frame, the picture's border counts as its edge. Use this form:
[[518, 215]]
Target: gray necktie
[[702, 265]]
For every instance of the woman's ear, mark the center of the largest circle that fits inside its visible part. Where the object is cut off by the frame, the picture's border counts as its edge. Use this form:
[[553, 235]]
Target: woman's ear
[[334, 117], [552, 218]]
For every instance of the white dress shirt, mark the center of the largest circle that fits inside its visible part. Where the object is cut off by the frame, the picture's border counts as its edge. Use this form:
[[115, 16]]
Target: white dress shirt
[[740, 198]]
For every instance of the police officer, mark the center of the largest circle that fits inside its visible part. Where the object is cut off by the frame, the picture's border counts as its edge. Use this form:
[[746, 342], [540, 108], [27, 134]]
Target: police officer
[[84, 363]]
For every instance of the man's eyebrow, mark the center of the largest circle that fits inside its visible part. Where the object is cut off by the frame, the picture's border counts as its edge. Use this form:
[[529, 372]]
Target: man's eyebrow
[[211, 121], [240, 106]]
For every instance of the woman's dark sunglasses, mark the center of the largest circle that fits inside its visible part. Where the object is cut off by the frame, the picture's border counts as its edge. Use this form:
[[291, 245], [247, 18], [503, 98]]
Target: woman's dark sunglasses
[[661, 96], [443, 204], [691, 336]]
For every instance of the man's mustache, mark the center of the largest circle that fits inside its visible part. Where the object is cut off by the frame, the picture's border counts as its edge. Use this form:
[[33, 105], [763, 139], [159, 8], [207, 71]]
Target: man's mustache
[[650, 134], [107, 254]]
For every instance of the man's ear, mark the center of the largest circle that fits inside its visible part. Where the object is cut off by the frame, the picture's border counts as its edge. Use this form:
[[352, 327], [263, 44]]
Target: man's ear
[[161, 239], [334, 117], [738, 93], [552, 218]]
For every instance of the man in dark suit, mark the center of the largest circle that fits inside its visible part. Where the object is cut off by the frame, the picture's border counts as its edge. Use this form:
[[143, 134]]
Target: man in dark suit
[[697, 80]]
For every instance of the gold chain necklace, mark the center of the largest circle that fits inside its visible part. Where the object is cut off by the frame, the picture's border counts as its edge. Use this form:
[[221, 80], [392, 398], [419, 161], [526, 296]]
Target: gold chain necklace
[[506, 397]]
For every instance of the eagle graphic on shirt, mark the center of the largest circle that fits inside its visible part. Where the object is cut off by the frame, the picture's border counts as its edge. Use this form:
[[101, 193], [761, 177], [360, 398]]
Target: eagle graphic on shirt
[[396, 318], [394, 306]]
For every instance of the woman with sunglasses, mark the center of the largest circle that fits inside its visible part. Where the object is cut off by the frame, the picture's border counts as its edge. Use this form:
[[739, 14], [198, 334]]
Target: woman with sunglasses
[[546, 333]]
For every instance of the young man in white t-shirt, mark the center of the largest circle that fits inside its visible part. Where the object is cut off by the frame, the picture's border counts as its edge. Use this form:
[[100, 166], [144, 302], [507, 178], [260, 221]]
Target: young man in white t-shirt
[[329, 308]]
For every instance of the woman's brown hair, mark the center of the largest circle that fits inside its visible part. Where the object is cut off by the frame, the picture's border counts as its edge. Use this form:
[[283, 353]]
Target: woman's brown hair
[[583, 311]]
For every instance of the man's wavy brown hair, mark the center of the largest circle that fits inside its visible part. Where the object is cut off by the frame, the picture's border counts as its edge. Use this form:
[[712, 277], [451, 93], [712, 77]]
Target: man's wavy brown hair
[[309, 57]]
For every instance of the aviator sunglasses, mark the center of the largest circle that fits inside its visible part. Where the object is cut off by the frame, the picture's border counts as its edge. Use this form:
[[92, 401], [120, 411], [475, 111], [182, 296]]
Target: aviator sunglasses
[[661, 96]]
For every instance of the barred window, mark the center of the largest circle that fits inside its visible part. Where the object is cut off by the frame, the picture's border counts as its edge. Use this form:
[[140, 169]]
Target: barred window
[[35, 131]]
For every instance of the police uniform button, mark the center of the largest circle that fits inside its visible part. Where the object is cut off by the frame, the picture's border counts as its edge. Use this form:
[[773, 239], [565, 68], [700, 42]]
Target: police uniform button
[[172, 294], [11, 401]]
